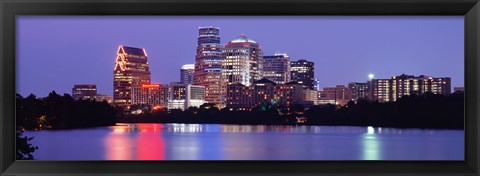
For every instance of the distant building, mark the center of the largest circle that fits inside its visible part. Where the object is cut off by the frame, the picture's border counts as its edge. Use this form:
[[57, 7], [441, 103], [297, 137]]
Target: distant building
[[84, 91], [182, 96], [147, 94], [103, 97], [381, 90], [359, 90], [392, 89], [316, 84], [165, 92], [312, 95], [208, 64], [339, 95], [242, 61], [89, 92], [303, 72], [276, 68], [186, 73], [131, 70], [264, 91], [458, 89]]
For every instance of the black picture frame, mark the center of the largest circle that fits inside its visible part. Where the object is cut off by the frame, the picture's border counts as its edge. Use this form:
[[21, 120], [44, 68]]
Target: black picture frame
[[9, 9]]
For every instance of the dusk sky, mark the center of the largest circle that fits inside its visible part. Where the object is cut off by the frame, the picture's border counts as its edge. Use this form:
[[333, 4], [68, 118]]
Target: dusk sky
[[54, 53]]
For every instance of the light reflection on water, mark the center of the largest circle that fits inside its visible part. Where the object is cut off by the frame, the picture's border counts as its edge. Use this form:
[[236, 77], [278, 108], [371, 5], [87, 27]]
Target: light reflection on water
[[247, 142]]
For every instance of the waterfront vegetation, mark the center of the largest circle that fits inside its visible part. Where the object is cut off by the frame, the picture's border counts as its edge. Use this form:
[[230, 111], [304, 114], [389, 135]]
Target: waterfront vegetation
[[61, 112], [414, 111]]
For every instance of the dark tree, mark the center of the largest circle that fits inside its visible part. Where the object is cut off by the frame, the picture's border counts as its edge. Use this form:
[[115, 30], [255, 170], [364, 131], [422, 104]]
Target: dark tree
[[24, 149]]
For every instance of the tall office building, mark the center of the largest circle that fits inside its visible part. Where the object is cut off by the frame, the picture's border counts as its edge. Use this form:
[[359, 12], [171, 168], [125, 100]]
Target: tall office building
[[131, 70], [186, 73], [276, 68], [303, 72], [208, 64], [84, 91], [242, 61]]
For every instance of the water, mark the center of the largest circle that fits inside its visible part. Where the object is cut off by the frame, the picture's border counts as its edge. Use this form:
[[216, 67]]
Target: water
[[247, 142]]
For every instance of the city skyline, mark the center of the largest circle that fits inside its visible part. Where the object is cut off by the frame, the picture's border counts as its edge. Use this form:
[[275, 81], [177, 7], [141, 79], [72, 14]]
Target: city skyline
[[435, 47]]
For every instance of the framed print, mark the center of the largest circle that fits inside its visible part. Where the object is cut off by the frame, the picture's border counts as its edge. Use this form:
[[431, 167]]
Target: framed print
[[239, 87]]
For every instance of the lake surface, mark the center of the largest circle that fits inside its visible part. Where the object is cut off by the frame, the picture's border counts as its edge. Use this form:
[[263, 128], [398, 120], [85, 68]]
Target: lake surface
[[246, 142]]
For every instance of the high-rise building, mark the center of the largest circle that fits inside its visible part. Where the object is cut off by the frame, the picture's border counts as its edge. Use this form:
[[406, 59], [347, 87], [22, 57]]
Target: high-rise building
[[208, 64], [441, 85], [242, 61], [381, 90], [84, 91], [131, 70], [264, 91], [186, 73], [147, 94], [359, 90], [276, 68], [392, 89], [303, 72], [182, 96]]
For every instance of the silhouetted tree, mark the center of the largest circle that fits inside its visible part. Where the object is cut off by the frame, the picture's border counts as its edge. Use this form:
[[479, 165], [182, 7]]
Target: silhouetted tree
[[24, 149]]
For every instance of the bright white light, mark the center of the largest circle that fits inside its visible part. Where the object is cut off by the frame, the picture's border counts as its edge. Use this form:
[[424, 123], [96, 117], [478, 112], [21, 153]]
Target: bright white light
[[371, 76], [370, 130]]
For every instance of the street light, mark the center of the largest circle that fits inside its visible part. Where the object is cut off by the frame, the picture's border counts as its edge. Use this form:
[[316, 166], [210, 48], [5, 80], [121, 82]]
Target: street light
[[371, 76]]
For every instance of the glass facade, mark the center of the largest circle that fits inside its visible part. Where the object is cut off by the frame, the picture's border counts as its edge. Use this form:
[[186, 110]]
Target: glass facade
[[277, 68], [242, 61], [208, 65], [303, 72], [186, 73]]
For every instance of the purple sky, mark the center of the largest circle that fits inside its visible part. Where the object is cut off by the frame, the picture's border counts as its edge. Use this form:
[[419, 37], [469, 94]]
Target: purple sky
[[54, 53]]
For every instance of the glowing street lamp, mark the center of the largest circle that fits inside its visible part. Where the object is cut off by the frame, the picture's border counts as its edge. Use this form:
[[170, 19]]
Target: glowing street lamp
[[371, 76]]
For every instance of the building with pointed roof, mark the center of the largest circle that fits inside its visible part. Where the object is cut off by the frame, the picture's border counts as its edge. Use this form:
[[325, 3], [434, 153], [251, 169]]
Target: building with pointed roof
[[131, 70]]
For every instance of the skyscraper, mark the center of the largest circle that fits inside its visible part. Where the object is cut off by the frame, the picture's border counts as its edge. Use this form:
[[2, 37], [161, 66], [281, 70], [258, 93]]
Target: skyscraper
[[242, 61], [131, 70], [276, 68], [303, 72], [208, 65], [186, 73]]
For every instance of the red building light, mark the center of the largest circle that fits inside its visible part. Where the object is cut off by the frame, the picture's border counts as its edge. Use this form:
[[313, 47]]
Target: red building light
[[151, 85]]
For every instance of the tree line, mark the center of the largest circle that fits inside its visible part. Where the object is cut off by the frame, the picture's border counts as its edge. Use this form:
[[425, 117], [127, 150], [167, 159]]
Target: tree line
[[411, 111], [61, 112]]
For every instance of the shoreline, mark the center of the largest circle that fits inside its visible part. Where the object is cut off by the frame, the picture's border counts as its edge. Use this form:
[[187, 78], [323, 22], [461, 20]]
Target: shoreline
[[244, 124]]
